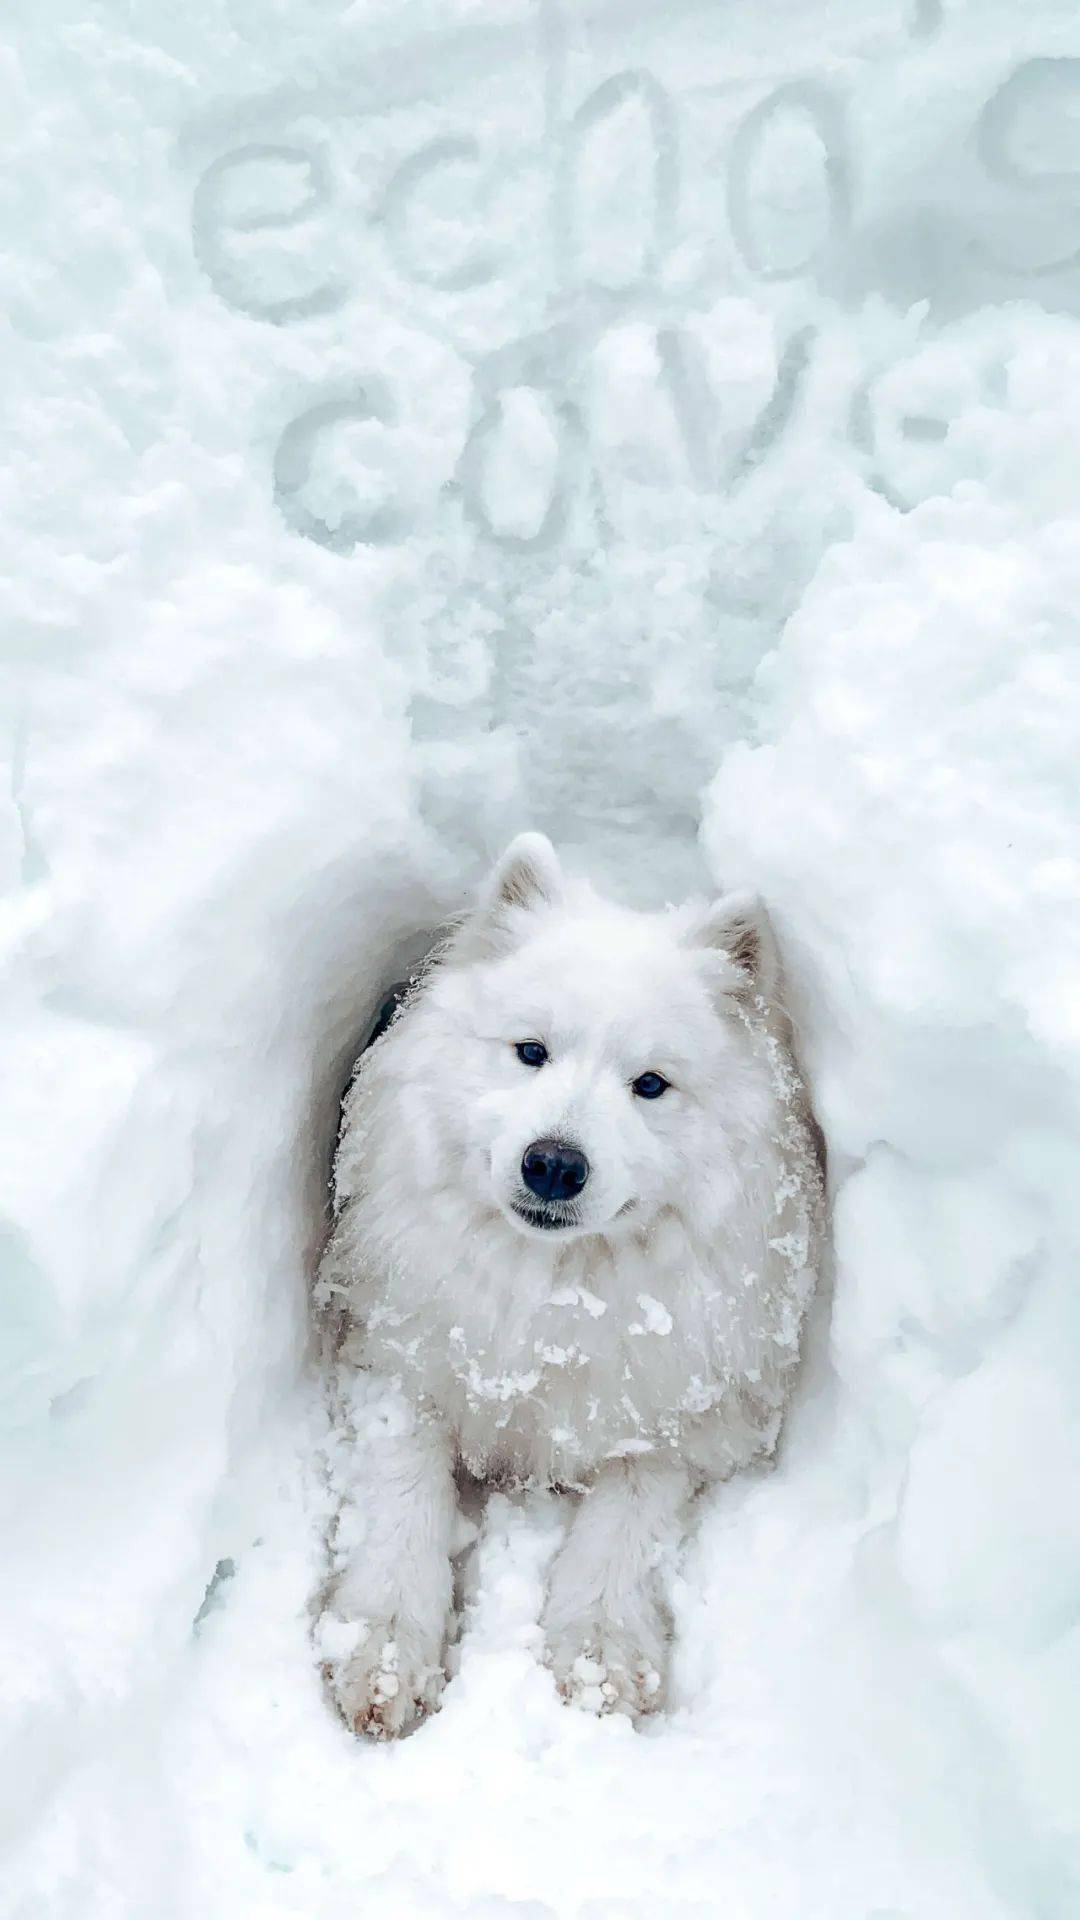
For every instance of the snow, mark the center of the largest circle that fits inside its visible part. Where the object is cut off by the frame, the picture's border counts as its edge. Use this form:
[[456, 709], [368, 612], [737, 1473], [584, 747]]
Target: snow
[[426, 421]]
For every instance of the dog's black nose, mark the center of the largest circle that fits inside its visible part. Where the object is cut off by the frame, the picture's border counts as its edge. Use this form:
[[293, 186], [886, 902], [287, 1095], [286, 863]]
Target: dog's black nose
[[554, 1171]]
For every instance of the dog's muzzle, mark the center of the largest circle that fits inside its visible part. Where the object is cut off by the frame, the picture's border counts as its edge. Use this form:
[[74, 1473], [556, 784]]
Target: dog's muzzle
[[553, 1173]]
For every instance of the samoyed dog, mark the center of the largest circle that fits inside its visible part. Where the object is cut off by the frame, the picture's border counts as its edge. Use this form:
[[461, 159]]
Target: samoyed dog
[[577, 1218]]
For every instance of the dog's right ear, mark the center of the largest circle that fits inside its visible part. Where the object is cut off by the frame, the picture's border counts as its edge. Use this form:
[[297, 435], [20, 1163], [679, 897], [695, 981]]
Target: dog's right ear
[[525, 879], [528, 874]]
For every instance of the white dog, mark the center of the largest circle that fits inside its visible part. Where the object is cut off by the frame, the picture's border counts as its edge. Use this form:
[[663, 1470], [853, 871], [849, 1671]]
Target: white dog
[[578, 1209]]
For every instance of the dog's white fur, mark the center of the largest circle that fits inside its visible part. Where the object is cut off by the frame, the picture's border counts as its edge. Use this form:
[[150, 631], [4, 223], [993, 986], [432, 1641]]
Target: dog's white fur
[[631, 1355]]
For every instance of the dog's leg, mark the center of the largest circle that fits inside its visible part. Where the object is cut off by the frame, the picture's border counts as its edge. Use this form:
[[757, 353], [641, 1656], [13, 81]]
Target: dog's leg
[[605, 1620], [384, 1627]]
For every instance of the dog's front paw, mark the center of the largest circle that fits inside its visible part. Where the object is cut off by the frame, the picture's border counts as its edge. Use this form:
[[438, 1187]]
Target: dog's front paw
[[603, 1669], [384, 1675]]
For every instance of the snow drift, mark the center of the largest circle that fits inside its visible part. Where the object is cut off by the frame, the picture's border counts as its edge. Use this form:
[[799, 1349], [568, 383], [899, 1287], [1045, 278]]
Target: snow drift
[[428, 421]]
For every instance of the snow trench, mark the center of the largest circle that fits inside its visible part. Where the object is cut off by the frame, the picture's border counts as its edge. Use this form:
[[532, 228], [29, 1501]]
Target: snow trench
[[657, 425]]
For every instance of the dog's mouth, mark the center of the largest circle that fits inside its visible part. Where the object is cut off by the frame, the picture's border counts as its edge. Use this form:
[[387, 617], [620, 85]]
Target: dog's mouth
[[558, 1218], [547, 1219]]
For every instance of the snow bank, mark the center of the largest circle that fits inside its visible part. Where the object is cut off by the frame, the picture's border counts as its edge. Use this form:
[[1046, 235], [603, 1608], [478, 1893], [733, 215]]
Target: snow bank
[[428, 421]]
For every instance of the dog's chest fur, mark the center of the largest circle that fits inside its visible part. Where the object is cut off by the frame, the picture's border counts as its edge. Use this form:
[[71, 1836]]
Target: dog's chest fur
[[543, 1365]]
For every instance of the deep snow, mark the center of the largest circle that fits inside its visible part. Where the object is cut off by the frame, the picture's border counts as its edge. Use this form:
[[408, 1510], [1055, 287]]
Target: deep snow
[[426, 421]]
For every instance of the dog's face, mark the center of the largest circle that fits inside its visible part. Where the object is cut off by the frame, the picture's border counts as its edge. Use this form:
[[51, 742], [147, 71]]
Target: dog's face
[[599, 1058]]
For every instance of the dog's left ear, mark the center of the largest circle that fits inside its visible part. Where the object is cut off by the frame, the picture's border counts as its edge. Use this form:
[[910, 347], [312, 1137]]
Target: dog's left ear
[[736, 929]]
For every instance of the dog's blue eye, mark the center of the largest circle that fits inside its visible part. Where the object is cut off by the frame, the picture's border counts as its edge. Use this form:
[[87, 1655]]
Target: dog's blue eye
[[649, 1086], [531, 1053]]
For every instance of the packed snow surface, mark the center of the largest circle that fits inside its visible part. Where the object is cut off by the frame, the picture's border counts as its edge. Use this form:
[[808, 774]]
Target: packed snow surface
[[656, 424]]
